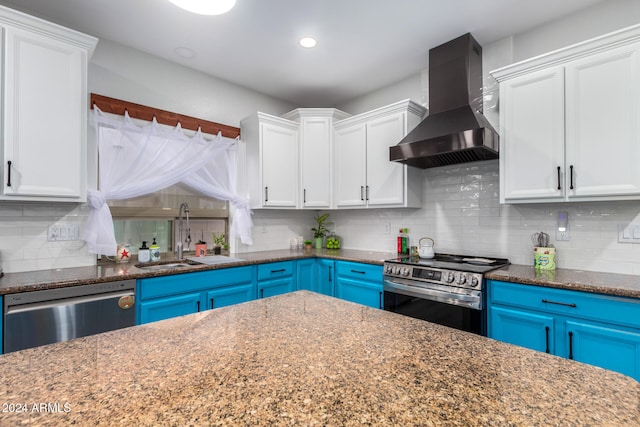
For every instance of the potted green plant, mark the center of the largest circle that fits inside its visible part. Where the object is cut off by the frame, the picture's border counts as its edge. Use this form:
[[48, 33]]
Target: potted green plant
[[320, 230], [308, 245], [219, 242]]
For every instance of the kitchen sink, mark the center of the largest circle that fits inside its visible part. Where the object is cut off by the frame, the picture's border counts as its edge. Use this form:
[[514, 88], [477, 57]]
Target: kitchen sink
[[213, 259], [167, 265]]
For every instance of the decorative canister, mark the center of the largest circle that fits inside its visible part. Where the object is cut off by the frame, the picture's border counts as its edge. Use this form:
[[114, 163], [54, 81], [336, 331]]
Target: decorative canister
[[544, 258], [123, 253]]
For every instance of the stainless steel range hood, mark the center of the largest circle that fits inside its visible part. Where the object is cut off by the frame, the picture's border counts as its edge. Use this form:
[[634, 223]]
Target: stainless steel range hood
[[455, 130]]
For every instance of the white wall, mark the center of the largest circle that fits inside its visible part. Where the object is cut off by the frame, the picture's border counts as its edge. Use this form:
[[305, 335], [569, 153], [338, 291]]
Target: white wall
[[117, 71]]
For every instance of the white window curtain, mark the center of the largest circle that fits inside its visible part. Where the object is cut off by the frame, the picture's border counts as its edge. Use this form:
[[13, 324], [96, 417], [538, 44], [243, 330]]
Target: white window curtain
[[134, 161]]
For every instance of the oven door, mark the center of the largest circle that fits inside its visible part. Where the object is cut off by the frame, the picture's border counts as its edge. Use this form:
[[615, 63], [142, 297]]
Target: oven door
[[445, 305]]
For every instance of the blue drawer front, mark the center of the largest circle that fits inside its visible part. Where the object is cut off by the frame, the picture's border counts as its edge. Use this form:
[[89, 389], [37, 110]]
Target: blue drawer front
[[192, 282], [359, 271], [273, 270], [604, 308]]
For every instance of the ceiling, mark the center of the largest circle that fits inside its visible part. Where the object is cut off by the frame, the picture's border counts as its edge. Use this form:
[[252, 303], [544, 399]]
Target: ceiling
[[363, 45]]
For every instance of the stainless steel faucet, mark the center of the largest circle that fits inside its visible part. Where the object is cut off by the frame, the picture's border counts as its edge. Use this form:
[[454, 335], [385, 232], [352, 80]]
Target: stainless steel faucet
[[183, 208]]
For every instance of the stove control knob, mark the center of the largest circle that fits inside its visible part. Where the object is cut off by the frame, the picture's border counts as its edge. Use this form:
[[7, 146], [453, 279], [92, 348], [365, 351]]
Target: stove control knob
[[405, 271], [387, 268], [461, 279], [474, 281], [396, 269], [449, 277]]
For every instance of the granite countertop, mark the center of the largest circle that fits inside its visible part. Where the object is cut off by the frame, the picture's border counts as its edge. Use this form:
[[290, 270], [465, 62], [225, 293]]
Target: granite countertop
[[624, 285], [305, 359], [110, 271]]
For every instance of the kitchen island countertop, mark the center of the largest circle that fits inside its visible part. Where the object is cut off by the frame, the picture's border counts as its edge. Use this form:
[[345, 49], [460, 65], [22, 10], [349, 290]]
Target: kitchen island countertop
[[305, 359]]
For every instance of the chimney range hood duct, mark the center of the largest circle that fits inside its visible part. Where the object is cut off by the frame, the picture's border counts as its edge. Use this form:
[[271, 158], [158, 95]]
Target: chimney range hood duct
[[455, 131]]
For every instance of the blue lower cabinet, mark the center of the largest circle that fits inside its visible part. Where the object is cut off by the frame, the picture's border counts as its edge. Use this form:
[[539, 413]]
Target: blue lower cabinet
[[229, 295], [276, 278], [174, 295], [600, 330], [325, 277], [168, 307], [359, 283], [306, 274], [603, 345], [531, 330]]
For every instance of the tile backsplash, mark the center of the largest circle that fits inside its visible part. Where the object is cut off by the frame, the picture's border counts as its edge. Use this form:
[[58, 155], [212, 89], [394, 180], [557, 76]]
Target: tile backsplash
[[23, 237], [462, 213]]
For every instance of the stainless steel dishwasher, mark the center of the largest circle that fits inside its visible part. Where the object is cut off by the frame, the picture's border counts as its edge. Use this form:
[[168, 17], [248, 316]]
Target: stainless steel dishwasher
[[43, 317]]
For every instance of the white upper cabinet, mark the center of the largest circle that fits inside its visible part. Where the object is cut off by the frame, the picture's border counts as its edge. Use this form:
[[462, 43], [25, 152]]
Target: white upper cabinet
[[44, 110], [603, 123], [571, 123], [271, 161], [532, 141], [316, 155], [363, 174]]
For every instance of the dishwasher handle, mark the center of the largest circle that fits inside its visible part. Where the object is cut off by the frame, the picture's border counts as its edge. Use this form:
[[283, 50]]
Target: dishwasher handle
[[126, 300]]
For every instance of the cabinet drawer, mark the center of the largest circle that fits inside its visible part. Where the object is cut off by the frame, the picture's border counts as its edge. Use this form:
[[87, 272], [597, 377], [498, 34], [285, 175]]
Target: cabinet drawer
[[192, 282], [359, 271], [275, 269], [604, 308]]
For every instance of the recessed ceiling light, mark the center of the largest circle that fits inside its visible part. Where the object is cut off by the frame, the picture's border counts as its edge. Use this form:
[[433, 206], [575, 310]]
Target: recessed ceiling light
[[308, 42], [205, 7]]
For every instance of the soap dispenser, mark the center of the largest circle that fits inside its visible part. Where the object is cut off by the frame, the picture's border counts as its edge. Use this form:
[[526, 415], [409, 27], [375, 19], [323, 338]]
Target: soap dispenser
[[144, 254], [155, 251]]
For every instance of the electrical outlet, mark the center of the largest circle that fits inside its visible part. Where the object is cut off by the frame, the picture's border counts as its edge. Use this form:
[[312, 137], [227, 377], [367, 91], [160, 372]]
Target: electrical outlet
[[62, 232], [562, 235], [387, 228]]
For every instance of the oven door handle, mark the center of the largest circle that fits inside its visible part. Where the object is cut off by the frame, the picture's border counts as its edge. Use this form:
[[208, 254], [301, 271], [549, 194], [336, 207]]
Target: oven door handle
[[454, 298]]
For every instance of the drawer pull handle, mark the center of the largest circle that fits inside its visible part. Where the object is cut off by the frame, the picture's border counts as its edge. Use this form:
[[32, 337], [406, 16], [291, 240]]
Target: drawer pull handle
[[329, 278], [8, 173], [546, 331], [566, 304], [362, 193], [266, 194], [212, 305], [278, 271], [559, 187], [358, 271], [198, 305], [571, 345]]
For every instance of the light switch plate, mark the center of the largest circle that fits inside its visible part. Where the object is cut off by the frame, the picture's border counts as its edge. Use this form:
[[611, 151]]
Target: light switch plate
[[628, 233]]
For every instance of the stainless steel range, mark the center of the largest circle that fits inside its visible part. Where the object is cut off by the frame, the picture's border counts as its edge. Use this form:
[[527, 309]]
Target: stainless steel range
[[447, 289]]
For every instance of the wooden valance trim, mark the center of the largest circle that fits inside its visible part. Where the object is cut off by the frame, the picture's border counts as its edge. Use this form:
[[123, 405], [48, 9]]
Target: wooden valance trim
[[142, 112]]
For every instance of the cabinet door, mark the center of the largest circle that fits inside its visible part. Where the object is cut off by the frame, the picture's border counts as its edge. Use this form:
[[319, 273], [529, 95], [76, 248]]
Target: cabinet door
[[350, 165], [306, 274], [168, 307], [279, 148], [228, 295], [523, 328], [325, 277], [385, 179], [532, 140], [603, 123], [315, 166], [44, 114], [358, 291], [269, 288], [603, 345]]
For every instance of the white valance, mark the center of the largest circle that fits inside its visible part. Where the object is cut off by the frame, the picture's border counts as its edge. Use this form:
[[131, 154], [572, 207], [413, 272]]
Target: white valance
[[134, 161]]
